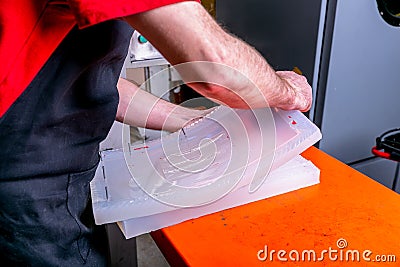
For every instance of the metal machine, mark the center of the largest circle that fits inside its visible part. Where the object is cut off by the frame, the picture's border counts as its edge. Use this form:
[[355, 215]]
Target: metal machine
[[348, 50]]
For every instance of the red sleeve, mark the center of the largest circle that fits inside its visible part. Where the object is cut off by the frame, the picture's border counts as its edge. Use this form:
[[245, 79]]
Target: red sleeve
[[29, 32], [89, 12]]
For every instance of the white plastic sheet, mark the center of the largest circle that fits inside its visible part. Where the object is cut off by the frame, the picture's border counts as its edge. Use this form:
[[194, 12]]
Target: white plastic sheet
[[117, 196]]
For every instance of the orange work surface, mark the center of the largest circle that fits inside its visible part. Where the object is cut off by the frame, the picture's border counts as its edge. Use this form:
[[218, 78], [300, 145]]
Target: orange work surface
[[346, 220]]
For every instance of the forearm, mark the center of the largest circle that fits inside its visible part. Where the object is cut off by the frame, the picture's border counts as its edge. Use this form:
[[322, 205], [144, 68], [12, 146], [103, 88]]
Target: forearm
[[139, 108], [185, 32]]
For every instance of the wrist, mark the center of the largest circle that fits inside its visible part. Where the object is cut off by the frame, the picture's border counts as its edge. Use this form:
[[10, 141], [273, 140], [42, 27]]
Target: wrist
[[180, 117], [289, 95]]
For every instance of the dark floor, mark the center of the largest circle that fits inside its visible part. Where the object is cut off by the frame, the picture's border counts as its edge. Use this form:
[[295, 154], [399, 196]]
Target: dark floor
[[148, 253], [141, 252]]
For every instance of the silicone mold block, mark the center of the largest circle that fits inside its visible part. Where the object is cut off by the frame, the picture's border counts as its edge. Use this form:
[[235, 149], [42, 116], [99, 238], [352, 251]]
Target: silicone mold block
[[182, 175]]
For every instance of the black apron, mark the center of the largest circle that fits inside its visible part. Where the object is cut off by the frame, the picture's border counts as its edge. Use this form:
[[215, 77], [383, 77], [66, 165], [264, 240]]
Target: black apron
[[49, 141]]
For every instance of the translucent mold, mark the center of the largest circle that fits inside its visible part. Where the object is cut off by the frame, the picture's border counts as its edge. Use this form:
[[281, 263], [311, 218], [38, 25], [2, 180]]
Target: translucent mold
[[229, 152]]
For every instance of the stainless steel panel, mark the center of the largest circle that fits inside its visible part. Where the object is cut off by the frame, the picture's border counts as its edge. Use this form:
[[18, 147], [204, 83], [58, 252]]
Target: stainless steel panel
[[363, 86], [381, 170]]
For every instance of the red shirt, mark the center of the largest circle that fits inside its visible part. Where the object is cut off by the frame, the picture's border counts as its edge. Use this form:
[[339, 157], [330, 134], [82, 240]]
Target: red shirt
[[31, 31]]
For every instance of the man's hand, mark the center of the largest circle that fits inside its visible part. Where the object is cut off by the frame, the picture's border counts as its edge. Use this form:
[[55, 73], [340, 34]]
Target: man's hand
[[300, 92], [139, 108]]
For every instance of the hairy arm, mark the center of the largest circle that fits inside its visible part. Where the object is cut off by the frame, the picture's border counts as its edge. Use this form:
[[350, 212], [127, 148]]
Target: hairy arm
[[185, 32], [150, 111]]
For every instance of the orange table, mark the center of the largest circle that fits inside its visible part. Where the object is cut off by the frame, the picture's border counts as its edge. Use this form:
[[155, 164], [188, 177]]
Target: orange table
[[346, 206]]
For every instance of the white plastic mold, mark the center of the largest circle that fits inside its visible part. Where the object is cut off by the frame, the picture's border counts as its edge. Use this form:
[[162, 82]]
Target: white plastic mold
[[117, 197]]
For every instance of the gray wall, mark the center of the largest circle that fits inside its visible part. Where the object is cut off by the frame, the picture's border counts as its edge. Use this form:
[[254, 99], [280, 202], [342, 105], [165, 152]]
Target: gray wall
[[284, 31]]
